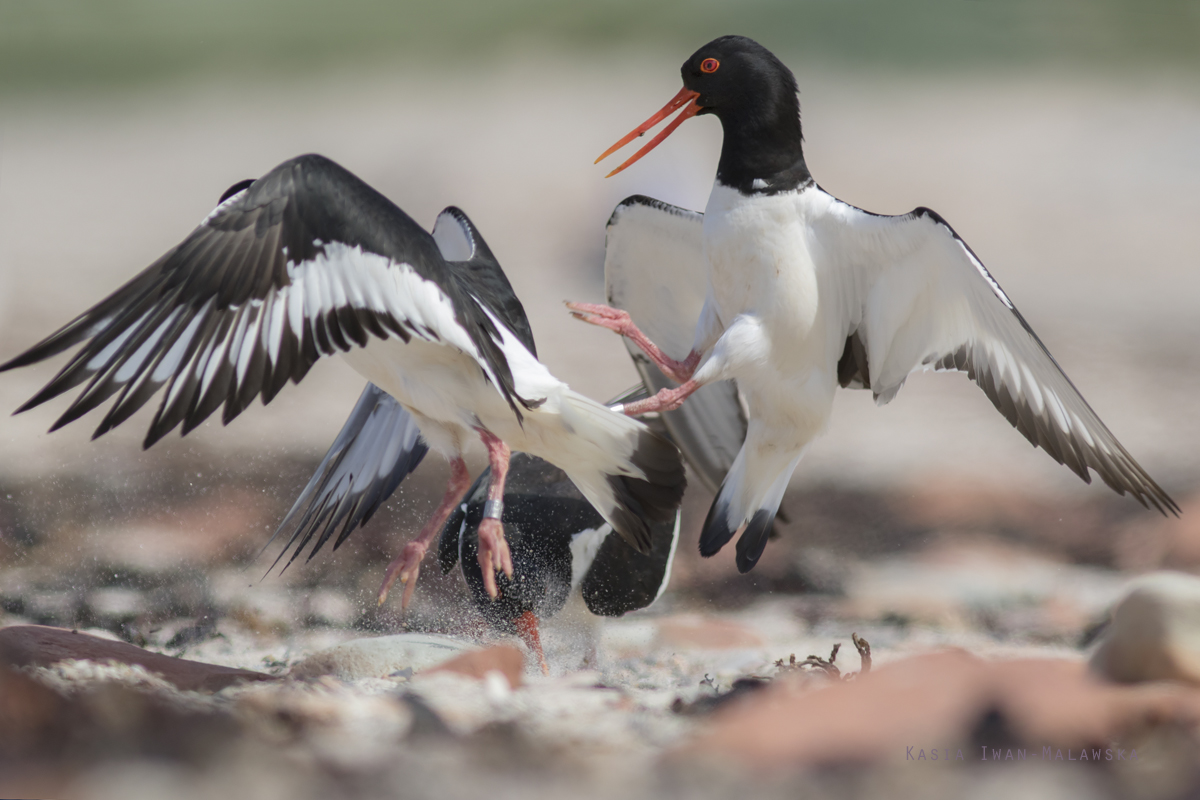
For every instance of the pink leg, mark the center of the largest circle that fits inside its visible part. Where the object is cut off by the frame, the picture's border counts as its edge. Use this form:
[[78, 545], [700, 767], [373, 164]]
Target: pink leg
[[407, 565], [619, 321], [493, 548], [665, 400], [527, 629]]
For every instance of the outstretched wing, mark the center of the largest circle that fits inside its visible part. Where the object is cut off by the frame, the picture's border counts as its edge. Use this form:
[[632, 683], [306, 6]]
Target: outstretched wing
[[923, 300], [654, 269], [376, 449], [479, 272], [379, 445], [303, 263]]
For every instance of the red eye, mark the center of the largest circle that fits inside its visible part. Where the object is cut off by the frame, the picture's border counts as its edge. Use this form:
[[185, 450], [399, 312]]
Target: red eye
[[709, 65]]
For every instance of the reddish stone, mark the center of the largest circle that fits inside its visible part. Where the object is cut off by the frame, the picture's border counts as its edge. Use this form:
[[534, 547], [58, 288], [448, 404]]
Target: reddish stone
[[935, 700], [503, 658], [42, 646]]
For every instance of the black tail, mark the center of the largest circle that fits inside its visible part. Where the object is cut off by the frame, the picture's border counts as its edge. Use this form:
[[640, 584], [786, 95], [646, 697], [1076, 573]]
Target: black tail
[[641, 504], [717, 533]]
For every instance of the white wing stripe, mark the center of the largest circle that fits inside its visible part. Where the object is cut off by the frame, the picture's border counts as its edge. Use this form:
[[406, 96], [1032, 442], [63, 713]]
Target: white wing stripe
[[134, 362], [108, 352], [295, 309], [344, 274], [273, 332], [170, 362], [234, 348], [250, 343], [216, 351]]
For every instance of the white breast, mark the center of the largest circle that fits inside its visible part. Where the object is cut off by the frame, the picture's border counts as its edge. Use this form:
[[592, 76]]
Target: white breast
[[760, 263]]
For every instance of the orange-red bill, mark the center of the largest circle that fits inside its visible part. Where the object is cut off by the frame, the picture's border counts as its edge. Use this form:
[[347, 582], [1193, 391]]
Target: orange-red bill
[[527, 629], [685, 97]]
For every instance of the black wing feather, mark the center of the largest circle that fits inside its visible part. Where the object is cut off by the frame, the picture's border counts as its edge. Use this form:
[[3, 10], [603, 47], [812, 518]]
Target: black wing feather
[[376, 449], [224, 285]]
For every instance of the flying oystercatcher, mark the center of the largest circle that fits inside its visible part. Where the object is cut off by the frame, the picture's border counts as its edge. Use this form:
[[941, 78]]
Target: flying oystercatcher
[[308, 261], [807, 293]]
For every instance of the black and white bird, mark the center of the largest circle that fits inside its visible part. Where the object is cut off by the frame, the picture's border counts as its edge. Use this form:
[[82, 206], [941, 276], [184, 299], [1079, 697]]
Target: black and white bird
[[806, 293], [308, 261], [558, 542]]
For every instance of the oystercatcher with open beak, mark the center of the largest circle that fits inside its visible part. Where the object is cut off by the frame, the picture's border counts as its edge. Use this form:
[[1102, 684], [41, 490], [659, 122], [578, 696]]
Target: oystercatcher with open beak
[[806, 293], [307, 262]]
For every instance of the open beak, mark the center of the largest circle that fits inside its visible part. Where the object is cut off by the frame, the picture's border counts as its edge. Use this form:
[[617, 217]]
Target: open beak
[[686, 98]]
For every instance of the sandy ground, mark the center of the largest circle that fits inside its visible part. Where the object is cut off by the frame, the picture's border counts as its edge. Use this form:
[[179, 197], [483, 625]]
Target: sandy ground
[[925, 524]]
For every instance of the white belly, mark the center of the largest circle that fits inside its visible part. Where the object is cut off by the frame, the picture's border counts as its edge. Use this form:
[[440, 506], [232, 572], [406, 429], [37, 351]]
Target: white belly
[[780, 343], [442, 386], [760, 264]]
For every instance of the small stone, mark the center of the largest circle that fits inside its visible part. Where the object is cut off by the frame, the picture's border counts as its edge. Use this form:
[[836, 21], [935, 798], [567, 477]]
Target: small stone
[[329, 608], [41, 646], [114, 605], [1154, 633], [380, 656], [500, 660]]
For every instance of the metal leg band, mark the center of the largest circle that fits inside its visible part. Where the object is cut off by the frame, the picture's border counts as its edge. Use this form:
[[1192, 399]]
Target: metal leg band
[[493, 509]]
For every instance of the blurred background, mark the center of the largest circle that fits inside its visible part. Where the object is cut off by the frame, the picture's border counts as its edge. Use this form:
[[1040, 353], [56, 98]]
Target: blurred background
[[1061, 139]]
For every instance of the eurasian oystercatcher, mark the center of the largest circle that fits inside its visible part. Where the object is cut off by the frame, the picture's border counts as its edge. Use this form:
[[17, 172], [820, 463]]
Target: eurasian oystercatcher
[[309, 261], [807, 293], [558, 542]]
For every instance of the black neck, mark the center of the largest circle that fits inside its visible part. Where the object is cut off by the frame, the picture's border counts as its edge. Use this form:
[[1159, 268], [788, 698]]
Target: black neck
[[763, 156]]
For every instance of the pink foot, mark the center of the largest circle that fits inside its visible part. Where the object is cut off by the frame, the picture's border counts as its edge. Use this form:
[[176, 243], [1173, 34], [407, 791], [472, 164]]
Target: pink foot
[[614, 319], [493, 554], [665, 400], [620, 322], [406, 567]]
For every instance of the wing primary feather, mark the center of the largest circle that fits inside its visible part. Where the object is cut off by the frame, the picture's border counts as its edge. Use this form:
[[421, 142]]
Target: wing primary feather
[[85, 364], [376, 449], [90, 323], [139, 390], [180, 387], [106, 381]]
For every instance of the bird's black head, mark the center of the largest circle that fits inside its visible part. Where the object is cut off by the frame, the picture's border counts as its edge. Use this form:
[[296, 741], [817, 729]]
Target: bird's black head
[[735, 78], [542, 512], [754, 95]]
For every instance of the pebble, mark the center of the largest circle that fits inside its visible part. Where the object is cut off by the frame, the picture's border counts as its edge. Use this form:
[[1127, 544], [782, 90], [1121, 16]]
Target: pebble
[[381, 656], [330, 608], [42, 646], [503, 663], [114, 605], [940, 699], [1154, 633]]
